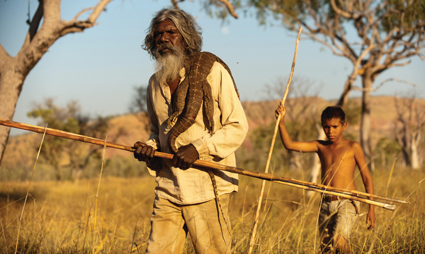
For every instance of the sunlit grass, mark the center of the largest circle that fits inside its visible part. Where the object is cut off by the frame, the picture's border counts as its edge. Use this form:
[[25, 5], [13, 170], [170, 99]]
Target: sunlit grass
[[59, 216]]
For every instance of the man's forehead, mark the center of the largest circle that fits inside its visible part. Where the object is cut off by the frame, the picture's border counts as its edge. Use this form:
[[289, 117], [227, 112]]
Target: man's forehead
[[166, 24]]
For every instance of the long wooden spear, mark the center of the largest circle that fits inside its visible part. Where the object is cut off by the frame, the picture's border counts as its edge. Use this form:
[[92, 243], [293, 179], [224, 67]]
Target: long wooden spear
[[200, 164], [260, 198]]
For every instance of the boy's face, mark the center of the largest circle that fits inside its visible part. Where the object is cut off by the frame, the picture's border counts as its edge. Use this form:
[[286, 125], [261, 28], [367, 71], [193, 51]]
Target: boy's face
[[333, 128]]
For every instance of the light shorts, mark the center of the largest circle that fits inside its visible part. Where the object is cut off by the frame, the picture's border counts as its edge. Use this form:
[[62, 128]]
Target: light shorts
[[337, 218]]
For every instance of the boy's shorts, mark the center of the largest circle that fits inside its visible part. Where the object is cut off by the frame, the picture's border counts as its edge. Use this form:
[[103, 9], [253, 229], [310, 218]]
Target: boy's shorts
[[337, 218]]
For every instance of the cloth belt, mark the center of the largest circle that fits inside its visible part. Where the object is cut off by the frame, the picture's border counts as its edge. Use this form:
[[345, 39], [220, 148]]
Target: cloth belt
[[335, 198], [332, 198]]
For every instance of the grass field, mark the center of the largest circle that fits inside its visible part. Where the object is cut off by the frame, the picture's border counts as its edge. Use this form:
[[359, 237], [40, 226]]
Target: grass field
[[62, 217]]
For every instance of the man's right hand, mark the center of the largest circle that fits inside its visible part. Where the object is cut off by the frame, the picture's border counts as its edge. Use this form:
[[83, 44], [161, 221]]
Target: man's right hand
[[143, 152]]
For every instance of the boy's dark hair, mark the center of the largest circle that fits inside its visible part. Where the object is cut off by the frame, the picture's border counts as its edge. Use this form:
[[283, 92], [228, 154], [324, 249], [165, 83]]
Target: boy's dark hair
[[333, 112]]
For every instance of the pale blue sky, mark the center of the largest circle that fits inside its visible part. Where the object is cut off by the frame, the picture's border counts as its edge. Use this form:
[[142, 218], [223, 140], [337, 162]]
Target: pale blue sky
[[100, 66]]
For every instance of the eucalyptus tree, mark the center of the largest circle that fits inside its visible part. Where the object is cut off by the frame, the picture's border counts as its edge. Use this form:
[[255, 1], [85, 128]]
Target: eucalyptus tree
[[373, 35], [408, 128], [39, 38], [64, 153]]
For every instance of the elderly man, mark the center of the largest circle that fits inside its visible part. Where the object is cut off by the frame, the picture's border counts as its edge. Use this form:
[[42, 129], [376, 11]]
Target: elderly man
[[195, 113]]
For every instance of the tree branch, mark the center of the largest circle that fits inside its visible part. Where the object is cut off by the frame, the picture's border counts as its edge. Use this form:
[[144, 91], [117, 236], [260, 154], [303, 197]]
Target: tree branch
[[381, 84], [81, 12], [98, 9], [340, 12], [175, 4], [334, 32], [399, 65], [75, 25], [320, 29], [230, 8], [35, 23], [51, 11], [51, 30], [4, 57]]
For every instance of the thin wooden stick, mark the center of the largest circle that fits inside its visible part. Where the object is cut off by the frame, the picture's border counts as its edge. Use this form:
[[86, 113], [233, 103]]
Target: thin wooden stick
[[98, 187], [260, 198], [203, 165], [28, 189], [389, 178]]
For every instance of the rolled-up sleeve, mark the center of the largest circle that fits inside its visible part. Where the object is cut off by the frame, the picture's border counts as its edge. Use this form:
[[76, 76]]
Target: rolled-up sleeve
[[232, 128]]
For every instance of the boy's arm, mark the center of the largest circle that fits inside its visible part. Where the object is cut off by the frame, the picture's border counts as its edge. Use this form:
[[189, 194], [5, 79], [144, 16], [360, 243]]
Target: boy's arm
[[306, 147], [367, 181]]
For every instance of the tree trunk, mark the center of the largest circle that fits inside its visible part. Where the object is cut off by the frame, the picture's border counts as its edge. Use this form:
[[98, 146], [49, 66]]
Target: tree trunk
[[317, 166], [414, 158], [10, 89], [406, 154], [315, 173], [14, 70], [365, 118], [294, 161]]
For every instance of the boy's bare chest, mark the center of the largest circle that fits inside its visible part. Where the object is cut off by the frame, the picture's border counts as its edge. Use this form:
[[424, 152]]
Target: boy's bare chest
[[342, 155]]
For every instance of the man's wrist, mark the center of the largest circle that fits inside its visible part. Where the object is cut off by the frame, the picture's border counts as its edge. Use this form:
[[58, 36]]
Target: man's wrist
[[200, 147], [154, 163]]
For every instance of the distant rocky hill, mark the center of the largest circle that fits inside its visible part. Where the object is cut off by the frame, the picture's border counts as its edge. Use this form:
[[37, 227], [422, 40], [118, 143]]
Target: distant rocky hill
[[259, 113]]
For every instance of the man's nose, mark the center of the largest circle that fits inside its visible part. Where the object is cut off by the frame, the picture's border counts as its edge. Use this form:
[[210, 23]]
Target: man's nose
[[164, 38]]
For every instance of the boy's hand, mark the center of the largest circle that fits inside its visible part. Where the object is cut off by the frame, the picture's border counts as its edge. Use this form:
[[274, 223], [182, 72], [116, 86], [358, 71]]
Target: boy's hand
[[281, 110], [370, 219]]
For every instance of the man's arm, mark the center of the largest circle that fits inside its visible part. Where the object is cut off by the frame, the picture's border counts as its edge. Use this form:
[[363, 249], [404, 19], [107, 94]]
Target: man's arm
[[305, 147], [367, 181], [232, 127], [145, 152]]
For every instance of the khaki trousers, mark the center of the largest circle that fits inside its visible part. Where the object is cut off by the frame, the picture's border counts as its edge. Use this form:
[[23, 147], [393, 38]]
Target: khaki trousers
[[170, 224]]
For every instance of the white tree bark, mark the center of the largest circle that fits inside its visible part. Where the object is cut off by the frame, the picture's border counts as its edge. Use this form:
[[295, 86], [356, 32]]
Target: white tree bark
[[414, 156], [411, 117], [365, 119]]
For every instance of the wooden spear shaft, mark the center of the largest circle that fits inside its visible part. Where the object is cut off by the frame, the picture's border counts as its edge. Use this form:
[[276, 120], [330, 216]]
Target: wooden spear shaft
[[260, 198], [200, 164]]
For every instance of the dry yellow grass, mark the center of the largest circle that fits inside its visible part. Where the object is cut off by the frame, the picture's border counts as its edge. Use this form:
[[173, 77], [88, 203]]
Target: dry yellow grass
[[59, 217]]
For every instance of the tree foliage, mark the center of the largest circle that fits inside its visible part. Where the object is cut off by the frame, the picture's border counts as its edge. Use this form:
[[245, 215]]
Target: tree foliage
[[382, 35], [67, 154], [388, 31]]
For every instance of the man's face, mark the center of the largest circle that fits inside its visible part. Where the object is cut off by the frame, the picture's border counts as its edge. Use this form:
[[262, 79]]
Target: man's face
[[333, 128], [166, 35]]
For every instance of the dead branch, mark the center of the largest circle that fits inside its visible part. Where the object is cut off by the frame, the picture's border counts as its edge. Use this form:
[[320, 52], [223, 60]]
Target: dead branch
[[81, 12], [35, 22], [230, 8]]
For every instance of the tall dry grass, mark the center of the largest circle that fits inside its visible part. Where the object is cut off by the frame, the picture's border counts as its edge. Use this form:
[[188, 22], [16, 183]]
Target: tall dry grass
[[59, 217]]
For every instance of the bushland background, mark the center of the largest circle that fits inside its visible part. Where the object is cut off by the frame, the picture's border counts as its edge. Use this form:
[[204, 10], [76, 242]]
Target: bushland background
[[70, 210], [63, 215]]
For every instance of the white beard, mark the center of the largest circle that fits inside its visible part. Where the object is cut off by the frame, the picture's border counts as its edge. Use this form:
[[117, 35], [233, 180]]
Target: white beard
[[168, 66]]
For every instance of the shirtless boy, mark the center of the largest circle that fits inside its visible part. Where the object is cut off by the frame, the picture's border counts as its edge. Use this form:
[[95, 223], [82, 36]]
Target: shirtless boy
[[339, 158]]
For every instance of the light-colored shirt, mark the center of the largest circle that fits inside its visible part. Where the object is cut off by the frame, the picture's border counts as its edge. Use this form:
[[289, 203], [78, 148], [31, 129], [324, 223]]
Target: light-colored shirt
[[192, 186]]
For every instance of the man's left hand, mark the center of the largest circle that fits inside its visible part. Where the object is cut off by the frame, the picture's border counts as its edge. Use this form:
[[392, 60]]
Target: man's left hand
[[185, 157]]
